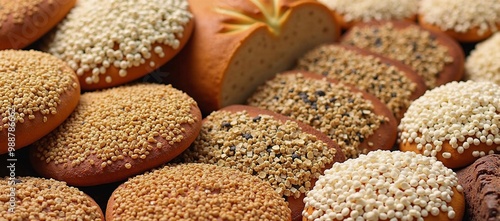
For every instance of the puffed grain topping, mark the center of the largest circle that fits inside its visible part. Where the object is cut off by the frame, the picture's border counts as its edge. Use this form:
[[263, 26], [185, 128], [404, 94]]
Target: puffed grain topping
[[97, 35], [383, 185], [17, 10], [33, 83], [119, 123], [45, 199], [275, 151], [412, 46], [482, 63], [344, 116], [462, 15], [464, 114], [197, 192], [369, 10], [366, 72]]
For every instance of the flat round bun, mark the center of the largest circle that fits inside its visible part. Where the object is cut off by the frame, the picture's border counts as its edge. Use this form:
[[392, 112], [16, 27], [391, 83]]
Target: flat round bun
[[349, 13], [457, 123], [436, 57], [196, 192], [23, 22], [480, 181], [118, 132], [482, 63], [45, 199], [463, 20], [110, 43], [357, 121], [384, 185], [38, 92], [392, 82], [288, 154]]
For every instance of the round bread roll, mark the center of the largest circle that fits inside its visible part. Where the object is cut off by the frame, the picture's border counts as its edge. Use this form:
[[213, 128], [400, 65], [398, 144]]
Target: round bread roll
[[23, 22], [357, 121], [350, 12], [38, 92], [384, 185], [31, 198], [463, 20], [238, 44], [482, 63], [433, 55], [196, 192], [481, 182], [116, 133], [109, 43], [392, 82], [288, 154], [456, 123]]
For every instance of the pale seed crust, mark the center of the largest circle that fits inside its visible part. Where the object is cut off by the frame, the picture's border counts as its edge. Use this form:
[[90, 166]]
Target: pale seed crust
[[436, 57], [457, 123], [39, 90], [109, 43], [46, 199], [357, 121], [23, 22], [385, 185], [392, 82], [196, 192], [118, 132], [482, 63]]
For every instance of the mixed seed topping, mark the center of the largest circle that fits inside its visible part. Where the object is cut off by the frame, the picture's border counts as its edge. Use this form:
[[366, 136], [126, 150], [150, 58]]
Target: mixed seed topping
[[464, 114], [366, 72], [275, 151], [197, 192], [97, 35], [345, 116], [412, 46], [46, 199], [33, 83], [119, 123], [384, 185]]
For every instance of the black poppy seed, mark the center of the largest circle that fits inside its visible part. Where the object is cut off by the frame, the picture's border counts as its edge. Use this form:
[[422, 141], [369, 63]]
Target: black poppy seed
[[225, 124], [295, 156], [255, 119], [247, 136], [320, 93]]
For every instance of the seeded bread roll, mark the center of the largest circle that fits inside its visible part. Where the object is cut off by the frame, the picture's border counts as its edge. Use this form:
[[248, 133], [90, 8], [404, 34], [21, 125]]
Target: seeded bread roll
[[384, 185], [354, 119], [482, 63], [350, 12], [463, 20], [113, 42], [288, 154], [38, 92], [23, 22], [238, 44], [392, 82], [481, 182], [45, 199], [196, 192], [456, 123], [433, 55], [119, 132]]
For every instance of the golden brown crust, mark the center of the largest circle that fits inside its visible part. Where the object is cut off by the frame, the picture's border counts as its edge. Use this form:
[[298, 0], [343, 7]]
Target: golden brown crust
[[139, 71], [385, 136], [49, 14], [456, 160], [470, 36], [295, 204], [453, 71], [87, 174], [202, 66]]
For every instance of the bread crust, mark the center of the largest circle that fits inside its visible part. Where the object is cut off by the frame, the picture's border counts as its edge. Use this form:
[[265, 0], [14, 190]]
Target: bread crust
[[47, 16], [87, 174], [349, 24], [451, 72], [470, 36]]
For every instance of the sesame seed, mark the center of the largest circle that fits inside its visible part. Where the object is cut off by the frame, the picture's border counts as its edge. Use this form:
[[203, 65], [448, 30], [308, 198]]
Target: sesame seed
[[197, 192], [482, 63], [17, 11]]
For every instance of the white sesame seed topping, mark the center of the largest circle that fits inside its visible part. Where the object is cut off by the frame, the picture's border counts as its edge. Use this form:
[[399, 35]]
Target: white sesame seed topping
[[482, 63]]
